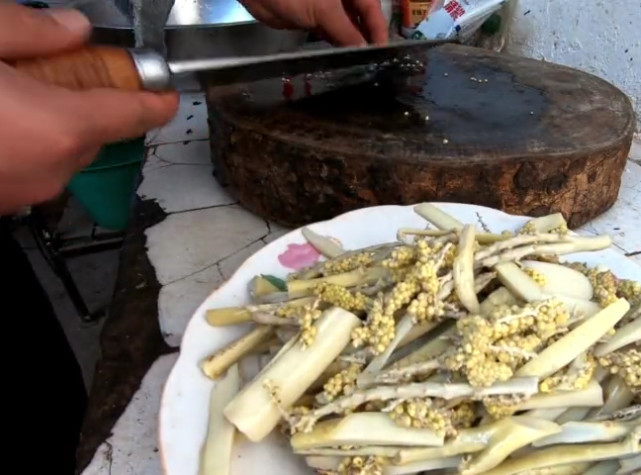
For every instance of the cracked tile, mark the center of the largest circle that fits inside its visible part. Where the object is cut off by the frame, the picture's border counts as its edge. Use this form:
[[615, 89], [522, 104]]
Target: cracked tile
[[276, 231], [179, 300], [186, 243], [621, 222], [183, 187], [229, 265], [195, 152], [132, 448], [190, 122]]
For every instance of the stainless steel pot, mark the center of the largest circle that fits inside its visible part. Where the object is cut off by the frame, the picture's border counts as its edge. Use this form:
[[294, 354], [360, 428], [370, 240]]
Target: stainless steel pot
[[194, 29]]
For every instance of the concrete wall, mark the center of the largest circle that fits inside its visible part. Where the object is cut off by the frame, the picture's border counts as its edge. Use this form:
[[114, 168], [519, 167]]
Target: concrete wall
[[600, 37]]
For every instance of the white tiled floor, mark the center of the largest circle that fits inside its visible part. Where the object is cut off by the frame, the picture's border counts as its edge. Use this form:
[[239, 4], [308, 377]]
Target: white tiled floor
[[202, 242]]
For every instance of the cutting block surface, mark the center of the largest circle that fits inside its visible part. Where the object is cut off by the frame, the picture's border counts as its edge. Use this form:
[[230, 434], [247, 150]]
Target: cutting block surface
[[457, 124]]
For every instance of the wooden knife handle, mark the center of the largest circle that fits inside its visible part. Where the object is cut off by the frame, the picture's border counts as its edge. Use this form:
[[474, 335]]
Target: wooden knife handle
[[87, 68]]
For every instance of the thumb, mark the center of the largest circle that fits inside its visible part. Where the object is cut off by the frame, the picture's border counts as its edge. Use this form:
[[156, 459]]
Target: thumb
[[28, 32]]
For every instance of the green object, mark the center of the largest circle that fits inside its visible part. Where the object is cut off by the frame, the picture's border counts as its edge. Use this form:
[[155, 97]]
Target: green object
[[492, 25], [106, 187], [280, 284]]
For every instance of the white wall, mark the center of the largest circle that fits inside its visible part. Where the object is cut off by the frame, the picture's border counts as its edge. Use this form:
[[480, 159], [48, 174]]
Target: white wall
[[600, 37]]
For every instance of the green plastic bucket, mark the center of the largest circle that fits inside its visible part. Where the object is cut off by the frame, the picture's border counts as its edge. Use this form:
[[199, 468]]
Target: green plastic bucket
[[106, 187]]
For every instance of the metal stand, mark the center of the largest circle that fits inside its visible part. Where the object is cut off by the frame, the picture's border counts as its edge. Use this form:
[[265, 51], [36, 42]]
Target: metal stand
[[52, 248]]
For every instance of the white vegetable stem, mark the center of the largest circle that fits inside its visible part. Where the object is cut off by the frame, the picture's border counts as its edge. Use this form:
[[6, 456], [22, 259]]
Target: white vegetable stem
[[217, 449], [463, 270], [590, 396], [577, 341], [518, 282], [420, 467], [582, 432], [364, 428], [219, 362], [545, 224], [322, 244], [630, 465], [501, 296], [570, 454], [503, 443], [255, 412], [607, 467], [563, 280], [323, 463], [624, 336], [438, 218]]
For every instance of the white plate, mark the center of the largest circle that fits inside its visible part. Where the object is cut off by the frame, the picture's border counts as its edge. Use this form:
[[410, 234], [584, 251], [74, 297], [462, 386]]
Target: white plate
[[183, 411]]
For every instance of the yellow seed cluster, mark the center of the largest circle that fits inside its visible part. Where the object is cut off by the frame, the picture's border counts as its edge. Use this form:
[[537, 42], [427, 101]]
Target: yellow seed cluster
[[290, 311], [308, 330], [605, 286], [341, 265], [536, 276], [630, 290], [528, 228], [341, 297], [463, 416], [342, 383], [400, 257], [570, 378], [514, 350], [421, 414], [499, 407], [379, 330], [491, 349], [426, 307], [627, 364], [361, 466], [562, 230]]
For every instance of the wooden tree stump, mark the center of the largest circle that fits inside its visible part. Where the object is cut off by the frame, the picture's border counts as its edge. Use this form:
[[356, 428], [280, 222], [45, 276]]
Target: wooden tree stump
[[511, 133]]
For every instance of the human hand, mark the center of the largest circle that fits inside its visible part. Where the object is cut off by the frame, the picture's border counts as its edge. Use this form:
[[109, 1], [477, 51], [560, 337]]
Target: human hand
[[48, 133], [341, 22]]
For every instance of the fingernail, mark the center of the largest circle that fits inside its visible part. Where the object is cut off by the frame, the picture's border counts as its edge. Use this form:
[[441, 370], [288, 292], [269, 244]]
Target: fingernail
[[72, 20]]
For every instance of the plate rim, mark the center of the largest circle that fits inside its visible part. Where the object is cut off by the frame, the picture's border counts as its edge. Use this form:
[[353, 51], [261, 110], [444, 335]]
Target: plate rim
[[274, 243]]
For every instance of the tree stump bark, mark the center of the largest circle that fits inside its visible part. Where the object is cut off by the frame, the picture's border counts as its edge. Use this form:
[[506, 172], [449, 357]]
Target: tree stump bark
[[473, 126]]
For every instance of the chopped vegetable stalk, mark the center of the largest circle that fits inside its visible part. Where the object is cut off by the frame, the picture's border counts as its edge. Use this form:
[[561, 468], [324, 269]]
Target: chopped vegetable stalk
[[569, 469], [501, 296], [475, 439], [438, 218], [417, 332], [585, 308], [258, 407], [220, 317], [504, 443], [547, 414], [463, 270], [565, 454], [364, 428], [260, 287], [481, 238], [624, 336], [347, 279], [545, 224], [617, 396], [560, 279], [403, 328], [581, 432], [574, 414], [431, 349], [518, 282], [322, 244], [367, 451], [607, 467], [517, 386], [217, 449], [323, 464], [420, 467], [577, 341], [219, 362], [590, 396], [630, 465]]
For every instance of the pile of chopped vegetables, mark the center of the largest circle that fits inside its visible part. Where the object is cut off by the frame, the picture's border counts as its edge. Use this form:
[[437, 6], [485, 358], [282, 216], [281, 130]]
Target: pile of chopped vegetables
[[450, 350]]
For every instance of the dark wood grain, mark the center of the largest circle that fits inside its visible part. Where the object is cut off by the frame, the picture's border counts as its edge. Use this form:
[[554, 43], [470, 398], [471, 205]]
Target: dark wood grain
[[86, 68], [515, 134]]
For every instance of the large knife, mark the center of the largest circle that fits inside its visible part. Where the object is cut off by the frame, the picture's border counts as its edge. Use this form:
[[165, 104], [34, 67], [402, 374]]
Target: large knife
[[132, 69]]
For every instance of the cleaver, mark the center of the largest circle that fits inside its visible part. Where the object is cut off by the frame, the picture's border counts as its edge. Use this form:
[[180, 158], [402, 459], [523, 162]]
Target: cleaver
[[138, 69]]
